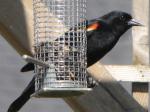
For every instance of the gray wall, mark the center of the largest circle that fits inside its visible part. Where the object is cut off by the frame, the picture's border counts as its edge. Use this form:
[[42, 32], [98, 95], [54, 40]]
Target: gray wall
[[12, 82]]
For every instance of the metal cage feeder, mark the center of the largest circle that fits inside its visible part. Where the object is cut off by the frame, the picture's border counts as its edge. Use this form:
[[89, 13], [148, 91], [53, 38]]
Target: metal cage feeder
[[60, 48]]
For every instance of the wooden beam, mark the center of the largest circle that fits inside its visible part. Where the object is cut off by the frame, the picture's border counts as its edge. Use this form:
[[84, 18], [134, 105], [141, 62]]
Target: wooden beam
[[132, 73], [141, 34], [138, 89], [108, 96], [99, 100], [141, 45], [16, 24]]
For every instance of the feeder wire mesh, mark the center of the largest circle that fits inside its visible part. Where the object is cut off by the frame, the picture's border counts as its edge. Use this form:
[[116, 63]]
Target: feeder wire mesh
[[60, 41]]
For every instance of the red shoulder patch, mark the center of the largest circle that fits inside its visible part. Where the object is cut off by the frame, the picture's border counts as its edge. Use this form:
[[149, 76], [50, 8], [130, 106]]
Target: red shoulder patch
[[93, 26]]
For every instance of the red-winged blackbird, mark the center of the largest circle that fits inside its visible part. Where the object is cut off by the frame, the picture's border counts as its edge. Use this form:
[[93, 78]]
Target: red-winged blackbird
[[102, 35]]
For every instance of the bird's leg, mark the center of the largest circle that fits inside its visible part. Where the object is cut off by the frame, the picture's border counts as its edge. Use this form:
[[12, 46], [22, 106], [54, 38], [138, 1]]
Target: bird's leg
[[91, 82]]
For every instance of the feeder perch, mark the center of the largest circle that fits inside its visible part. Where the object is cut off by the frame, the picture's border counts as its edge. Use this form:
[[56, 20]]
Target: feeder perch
[[60, 49]]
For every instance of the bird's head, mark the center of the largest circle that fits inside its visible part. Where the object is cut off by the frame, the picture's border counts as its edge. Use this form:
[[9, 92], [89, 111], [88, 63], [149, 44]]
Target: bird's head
[[121, 18], [120, 21]]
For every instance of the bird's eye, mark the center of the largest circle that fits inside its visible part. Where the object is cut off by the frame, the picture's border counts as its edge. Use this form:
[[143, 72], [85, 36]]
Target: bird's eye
[[122, 18]]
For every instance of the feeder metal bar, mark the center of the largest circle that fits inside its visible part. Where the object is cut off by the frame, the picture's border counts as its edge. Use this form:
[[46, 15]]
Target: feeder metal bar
[[35, 61]]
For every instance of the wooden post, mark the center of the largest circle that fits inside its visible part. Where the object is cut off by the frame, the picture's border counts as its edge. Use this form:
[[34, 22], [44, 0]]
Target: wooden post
[[141, 47], [141, 34], [140, 93]]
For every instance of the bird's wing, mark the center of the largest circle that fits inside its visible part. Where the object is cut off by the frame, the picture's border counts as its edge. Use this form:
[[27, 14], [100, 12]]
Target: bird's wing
[[93, 26], [90, 26]]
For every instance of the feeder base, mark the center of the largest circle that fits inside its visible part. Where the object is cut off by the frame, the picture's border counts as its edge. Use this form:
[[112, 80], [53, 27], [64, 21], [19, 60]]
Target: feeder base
[[59, 92]]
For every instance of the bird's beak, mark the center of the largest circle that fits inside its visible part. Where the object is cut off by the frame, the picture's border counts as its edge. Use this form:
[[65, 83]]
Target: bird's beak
[[134, 22]]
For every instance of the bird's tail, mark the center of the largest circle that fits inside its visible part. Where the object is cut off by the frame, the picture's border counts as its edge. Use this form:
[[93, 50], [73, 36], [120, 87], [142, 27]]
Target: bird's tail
[[23, 98]]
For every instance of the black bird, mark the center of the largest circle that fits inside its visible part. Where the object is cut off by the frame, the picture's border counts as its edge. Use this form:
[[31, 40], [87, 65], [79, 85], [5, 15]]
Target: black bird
[[102, 35]]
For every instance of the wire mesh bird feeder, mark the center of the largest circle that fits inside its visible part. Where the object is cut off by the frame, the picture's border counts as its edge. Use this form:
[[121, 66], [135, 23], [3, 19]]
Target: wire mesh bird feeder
[[60, 46]]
